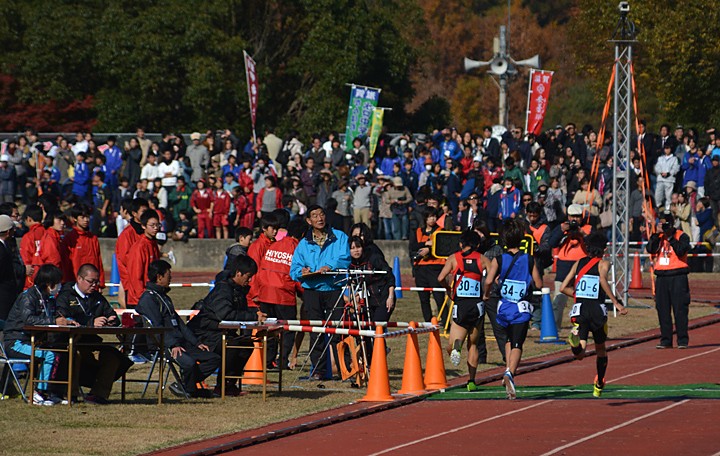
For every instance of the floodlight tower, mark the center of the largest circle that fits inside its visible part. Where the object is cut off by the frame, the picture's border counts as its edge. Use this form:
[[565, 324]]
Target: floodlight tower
[[503, 67], [624, 37]]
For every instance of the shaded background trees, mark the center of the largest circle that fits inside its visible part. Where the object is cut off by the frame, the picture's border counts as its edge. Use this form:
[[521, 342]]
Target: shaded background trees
[[112, 65]]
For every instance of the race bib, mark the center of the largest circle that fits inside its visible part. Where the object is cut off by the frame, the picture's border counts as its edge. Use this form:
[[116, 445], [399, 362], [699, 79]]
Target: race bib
[[513, 290], [664, 261], [575, 311], [588, 287], [454, 314], [524, 307], [481, 308], [604, 309], [468, 288]]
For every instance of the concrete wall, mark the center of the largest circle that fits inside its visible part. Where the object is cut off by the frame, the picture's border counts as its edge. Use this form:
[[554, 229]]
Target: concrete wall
[[207, 255]]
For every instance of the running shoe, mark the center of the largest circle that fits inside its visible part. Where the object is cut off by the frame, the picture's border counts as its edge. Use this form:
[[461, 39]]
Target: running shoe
[[509, 383], [598, 387], [573, 338], [39, 399], [471, 386], [455, 357], [171, 257], [138, 359]]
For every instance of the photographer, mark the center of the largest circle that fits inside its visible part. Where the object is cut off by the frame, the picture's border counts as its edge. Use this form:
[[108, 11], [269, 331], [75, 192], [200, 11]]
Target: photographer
[[427, 268], [569, 238], [669, 249]]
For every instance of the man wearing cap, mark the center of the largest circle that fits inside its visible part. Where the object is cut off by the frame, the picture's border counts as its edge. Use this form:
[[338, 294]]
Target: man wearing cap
[[8, 283], [362, 202], [199, 157], [666, 168], [712, 186], [669, 249], [568, 237]]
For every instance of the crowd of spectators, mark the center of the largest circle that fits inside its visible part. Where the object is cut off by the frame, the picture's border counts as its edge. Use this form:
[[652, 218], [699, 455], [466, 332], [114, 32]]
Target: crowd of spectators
[[219, 183]]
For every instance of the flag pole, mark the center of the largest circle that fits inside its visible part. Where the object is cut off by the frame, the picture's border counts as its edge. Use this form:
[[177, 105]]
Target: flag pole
[[527, 111]]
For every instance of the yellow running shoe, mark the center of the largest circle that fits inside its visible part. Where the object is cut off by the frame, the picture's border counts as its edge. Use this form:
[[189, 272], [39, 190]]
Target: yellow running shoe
[[573, 338], [598, 387]]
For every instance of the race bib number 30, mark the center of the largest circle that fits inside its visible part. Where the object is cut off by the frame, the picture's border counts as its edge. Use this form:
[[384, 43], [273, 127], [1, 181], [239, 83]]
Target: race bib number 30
[[588, 287], [513, 290], [524, 307], [469, 288]]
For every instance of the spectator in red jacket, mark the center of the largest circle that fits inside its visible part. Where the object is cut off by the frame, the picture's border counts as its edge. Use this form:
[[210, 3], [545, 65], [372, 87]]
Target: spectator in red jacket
[[269, 225], [54, 250], [144, 252], [221, 210], [31, 242], [201, 202], [83, 244], [127, 239], [277, 295]]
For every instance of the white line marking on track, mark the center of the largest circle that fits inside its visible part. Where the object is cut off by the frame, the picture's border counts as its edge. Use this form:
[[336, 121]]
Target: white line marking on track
[[425, 439], [663, 365], [614, 428]]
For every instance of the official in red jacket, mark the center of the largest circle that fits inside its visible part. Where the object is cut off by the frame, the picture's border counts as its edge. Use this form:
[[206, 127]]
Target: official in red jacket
[[144, 252], [128, 237], [54, 250], [277, 295], [31, 242], [84, 245], [270, 225]]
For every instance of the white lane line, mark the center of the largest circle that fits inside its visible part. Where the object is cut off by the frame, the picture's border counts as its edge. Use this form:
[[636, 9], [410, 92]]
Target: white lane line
[[614, 428], [664, 365], [425, 439]]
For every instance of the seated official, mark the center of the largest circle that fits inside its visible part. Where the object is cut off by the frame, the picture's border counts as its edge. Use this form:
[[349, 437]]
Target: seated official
[[196, 360], [34, 307], [82, 302], [228, 302]]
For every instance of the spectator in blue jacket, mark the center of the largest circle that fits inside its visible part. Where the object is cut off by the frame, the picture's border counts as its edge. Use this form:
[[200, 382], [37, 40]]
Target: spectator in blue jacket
[[81, 180], [447, 145], [7, 180], [322, 249], [510, 200], [113, 162]]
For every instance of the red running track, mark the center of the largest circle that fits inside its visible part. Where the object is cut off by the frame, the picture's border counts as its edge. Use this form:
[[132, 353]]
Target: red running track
[[530, 427]]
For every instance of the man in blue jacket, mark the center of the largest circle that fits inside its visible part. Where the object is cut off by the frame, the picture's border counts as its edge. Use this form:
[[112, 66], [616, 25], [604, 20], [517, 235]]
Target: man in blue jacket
[[322, 249], [82, 178]]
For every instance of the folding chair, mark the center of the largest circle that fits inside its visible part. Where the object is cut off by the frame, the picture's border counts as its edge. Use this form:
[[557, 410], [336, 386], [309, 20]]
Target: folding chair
[[14, 367], [170, 364]]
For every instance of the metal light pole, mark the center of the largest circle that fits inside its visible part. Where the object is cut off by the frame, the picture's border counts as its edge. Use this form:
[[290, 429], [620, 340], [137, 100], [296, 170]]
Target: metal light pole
[[624, 37]]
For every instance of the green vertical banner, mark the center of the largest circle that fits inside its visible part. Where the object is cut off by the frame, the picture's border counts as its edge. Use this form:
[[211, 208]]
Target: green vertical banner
[[375, 129], [362, 102]]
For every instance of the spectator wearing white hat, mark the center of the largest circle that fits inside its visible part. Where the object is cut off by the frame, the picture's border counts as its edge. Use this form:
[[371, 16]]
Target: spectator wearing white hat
[[199, 157]]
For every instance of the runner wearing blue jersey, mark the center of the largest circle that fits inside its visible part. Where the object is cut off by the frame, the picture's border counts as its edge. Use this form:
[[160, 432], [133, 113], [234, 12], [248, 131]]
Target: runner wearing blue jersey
[[509, 285]]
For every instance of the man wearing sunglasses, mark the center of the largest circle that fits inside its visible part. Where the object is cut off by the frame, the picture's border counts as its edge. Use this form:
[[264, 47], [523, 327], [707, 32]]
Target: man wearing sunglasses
[[83, 303]]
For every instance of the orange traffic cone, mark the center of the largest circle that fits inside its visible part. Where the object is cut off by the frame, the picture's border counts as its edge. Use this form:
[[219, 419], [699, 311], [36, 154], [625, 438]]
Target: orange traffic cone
[[379, 383], [412, 381], [555, 252], [434, 363], [636, 279], [255, 363]]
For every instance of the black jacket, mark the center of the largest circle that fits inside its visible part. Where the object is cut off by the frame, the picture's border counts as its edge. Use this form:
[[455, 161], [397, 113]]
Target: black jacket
[[228, 302], [156, 306], [712, 183], [83, 310], [378, 286], [9, 287], [30, 308]]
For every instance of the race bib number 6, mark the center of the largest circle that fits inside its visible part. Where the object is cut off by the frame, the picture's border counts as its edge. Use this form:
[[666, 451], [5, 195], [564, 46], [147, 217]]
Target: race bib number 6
[[469, 288], [588, 287], [513, 290]]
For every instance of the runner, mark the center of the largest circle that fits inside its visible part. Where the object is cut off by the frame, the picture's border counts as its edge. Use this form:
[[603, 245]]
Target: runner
[[515, 276], [465, 268], [589, 313]]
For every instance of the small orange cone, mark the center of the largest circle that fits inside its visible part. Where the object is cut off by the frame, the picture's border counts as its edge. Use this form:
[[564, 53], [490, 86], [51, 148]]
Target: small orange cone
[[379, 384], [555, 252], [255, 363], [412, 381], [636, 279], [434, 363]]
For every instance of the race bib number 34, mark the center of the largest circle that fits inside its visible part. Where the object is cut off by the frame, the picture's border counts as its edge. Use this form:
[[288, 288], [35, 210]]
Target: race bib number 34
[[469, 288], [588, 287], [513, 290]]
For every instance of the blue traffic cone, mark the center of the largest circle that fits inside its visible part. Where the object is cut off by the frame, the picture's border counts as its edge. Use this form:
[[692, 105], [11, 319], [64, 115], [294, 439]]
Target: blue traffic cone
[[114, 277], [548, 330], [398, 279]]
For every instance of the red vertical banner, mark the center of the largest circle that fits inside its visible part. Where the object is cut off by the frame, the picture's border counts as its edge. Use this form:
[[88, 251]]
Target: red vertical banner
[[538, 95], [252, 86]]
